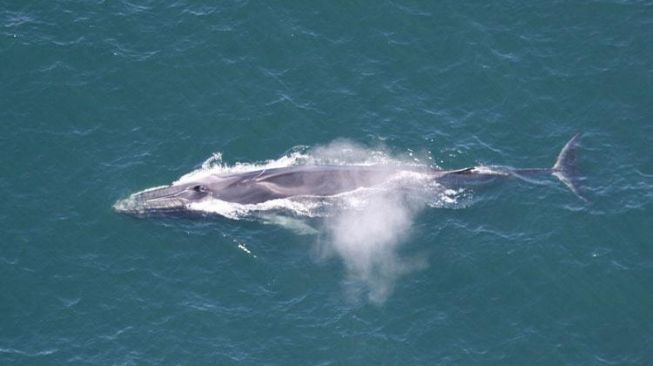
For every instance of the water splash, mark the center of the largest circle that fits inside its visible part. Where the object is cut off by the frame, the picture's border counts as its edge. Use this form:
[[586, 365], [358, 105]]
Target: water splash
[[368, 238]]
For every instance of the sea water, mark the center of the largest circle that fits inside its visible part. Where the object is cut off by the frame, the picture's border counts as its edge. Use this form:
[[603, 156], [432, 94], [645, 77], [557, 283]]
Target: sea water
[[99, 99]]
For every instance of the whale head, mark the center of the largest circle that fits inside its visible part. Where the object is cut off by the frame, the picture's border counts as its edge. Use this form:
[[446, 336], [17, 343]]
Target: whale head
[[162, 200]]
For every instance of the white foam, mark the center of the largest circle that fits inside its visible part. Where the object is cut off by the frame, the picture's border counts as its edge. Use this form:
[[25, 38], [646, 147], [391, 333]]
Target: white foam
[[242, 247], [306, 207], [215, 166]]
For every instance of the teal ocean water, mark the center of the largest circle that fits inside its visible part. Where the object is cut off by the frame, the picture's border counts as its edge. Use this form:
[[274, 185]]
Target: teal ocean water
[[99, 99]]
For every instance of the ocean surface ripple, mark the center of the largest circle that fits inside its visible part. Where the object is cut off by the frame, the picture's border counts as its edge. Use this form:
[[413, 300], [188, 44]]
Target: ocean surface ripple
[[101, 99]]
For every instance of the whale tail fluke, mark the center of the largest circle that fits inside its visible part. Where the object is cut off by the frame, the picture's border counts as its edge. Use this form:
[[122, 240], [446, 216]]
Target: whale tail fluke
[[565, 167]]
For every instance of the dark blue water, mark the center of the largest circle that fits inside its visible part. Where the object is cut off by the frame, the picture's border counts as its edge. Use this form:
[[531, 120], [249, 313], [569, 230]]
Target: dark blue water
[[100, 99]]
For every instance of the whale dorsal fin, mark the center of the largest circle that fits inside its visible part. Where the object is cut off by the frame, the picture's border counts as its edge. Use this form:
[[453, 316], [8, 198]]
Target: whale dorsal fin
[[463, 171]]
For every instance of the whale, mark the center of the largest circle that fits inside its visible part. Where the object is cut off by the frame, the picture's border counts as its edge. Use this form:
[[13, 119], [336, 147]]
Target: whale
[[321, 181]]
